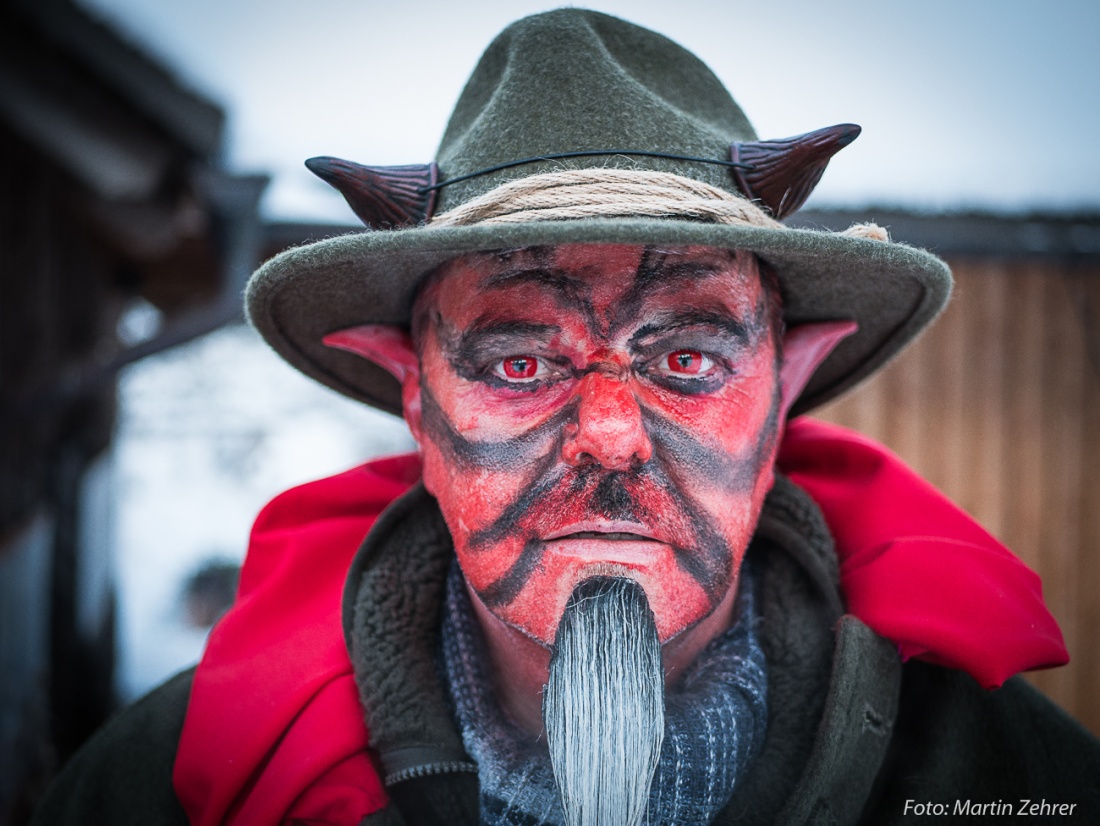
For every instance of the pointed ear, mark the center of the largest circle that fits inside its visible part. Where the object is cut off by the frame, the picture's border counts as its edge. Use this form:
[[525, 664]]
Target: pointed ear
[[392, 349], [804, 348]]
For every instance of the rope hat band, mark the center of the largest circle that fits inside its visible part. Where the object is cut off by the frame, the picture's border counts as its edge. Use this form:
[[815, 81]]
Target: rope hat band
[[606, 193], [618, 193]]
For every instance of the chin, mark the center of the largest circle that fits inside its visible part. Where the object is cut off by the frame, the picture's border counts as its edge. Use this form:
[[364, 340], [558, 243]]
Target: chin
[[677, 607]]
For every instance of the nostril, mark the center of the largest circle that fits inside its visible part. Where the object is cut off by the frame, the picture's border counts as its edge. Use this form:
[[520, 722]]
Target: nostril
[[572, 451]]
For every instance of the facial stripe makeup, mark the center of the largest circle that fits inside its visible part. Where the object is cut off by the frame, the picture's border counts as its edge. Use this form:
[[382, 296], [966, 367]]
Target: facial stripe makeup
[[631, 436]]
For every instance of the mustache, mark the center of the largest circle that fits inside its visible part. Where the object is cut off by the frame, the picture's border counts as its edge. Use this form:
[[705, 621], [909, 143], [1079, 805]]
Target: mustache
[[646, 495]]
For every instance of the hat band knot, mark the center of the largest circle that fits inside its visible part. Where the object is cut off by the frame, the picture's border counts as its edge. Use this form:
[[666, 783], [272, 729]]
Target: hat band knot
[[605, 193]]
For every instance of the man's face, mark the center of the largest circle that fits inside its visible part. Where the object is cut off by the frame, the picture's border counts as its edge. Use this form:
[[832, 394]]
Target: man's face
[[598, 410]]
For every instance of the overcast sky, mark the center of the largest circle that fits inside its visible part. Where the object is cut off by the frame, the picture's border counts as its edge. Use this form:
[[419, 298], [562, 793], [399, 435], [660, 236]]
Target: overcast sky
[[991, 104]]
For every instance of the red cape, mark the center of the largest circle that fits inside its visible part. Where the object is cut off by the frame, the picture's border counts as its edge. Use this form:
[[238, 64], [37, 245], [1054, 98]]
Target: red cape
[[274, 731]]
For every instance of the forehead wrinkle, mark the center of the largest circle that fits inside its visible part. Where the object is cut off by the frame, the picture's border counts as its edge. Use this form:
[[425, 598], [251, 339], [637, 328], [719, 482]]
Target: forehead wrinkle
[[566, 287], [658, 268], [426, 306]]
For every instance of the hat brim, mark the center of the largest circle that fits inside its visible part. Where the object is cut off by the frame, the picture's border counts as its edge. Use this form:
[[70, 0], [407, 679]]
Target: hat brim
[[301, 295]]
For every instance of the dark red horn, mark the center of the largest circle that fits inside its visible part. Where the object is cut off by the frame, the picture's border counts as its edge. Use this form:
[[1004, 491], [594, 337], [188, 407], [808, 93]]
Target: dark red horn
[[384, 197], [785, 172]]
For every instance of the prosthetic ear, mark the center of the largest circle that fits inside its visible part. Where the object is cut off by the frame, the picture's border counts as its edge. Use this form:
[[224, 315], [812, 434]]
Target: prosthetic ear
[[392, 349], [804, 348]]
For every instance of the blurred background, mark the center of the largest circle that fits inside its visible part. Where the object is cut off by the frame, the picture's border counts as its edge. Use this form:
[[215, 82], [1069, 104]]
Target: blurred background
[[150, 154]]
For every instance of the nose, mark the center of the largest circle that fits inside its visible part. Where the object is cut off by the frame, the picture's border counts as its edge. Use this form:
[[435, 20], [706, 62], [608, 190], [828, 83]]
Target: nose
[[608, 429]]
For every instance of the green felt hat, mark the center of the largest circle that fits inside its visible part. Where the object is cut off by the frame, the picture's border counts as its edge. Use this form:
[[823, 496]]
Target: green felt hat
[[575, 89]]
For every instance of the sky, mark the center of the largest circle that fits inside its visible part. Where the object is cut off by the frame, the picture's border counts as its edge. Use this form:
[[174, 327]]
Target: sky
[[965, 104]]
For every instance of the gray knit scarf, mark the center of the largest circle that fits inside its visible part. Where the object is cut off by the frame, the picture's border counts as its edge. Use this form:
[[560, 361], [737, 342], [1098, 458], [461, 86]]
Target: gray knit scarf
[[714, 724]]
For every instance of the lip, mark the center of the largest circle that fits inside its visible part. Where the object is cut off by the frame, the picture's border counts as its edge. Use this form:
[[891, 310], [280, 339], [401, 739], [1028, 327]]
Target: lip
[[604, 530], [615, 542]]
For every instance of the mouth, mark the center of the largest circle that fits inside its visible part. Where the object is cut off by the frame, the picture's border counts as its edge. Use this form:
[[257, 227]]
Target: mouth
[[618, 536], [625, 544], [605, 530]]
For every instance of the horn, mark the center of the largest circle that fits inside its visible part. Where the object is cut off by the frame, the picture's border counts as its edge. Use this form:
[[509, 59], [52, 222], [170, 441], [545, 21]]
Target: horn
[[785, 172], [384, 197]]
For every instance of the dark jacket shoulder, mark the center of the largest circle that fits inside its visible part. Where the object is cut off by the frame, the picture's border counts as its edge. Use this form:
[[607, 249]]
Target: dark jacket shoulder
[[956, 745], [124, 773]]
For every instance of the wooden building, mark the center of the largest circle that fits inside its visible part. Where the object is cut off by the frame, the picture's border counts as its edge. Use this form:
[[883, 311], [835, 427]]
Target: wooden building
[[120, 235], [998, 405]]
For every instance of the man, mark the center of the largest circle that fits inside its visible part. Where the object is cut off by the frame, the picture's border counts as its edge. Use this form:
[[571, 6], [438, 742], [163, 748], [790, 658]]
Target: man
[[602, 603]]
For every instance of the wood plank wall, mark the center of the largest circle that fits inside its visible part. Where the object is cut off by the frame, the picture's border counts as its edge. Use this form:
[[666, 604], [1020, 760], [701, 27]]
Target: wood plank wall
[[998, 405]]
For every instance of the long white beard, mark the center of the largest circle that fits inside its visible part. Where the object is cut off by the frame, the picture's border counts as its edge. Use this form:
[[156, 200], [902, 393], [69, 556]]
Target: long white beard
[[604, 704]]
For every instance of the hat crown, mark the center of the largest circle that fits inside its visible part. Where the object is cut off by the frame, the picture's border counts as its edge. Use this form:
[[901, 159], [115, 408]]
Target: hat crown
[[574, 80]]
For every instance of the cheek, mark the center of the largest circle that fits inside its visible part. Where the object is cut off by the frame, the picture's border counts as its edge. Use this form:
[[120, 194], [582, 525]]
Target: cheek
[[736, 419], [468, 497]]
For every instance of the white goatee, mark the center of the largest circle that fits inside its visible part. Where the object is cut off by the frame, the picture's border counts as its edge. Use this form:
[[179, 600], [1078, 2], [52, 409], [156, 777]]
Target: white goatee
[[604, 704]]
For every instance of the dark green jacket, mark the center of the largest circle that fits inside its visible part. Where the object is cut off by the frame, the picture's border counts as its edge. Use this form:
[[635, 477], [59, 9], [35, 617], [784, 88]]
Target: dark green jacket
[[853, 735]]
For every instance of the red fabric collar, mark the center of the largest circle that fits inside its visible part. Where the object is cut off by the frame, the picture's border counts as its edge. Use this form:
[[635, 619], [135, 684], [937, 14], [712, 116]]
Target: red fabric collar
[[274, 731], [915, 567]]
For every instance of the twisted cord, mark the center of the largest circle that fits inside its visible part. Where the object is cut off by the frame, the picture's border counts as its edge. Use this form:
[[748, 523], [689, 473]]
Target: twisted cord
[[607, 193], [603, 193]]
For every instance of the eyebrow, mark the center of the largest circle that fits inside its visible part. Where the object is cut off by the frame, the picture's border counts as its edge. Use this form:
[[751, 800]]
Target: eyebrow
[[486, 339], [678, 320]]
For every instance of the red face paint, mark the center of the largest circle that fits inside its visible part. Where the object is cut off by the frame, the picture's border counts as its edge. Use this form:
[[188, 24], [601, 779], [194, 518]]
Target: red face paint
[[594, 409]]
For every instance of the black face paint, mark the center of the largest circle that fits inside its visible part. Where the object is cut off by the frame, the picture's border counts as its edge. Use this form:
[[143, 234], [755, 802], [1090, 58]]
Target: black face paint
[[569, 292], [505, 454], [504, 591], [705, 556], [660, 269]]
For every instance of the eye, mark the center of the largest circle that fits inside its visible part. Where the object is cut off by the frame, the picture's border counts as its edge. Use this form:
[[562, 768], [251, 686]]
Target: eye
[[685, 363], [520, 368]]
